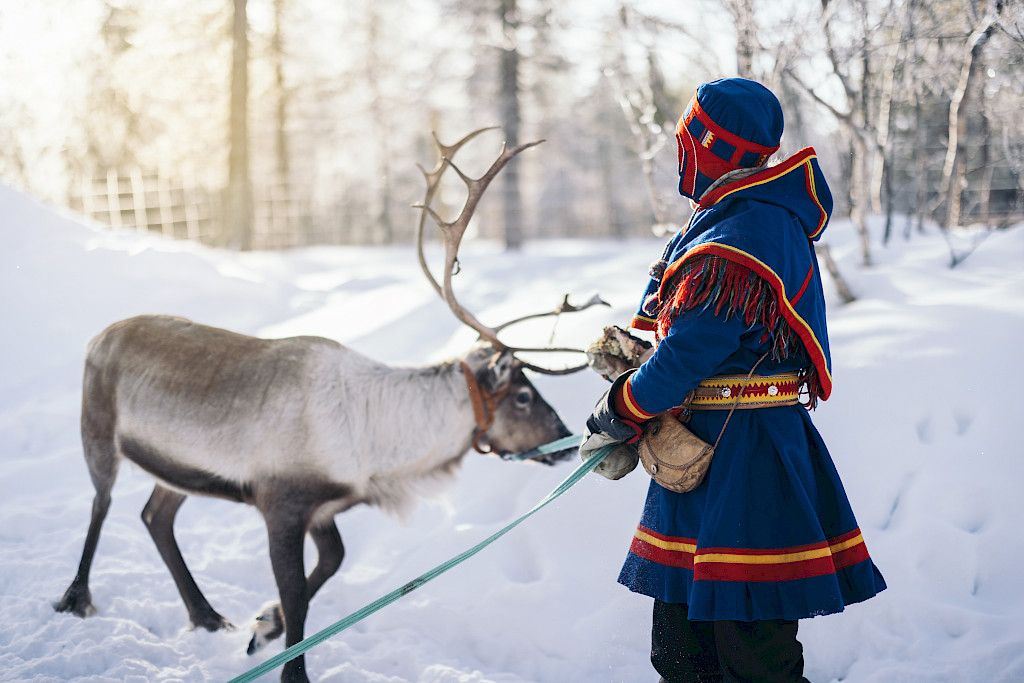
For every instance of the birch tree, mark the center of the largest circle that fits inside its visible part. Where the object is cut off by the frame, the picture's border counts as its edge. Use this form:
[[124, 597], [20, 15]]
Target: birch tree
[[239, 191]]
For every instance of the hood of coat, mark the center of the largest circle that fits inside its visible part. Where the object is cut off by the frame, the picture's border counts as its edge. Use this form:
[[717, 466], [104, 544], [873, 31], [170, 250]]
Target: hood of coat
[[797, 185]]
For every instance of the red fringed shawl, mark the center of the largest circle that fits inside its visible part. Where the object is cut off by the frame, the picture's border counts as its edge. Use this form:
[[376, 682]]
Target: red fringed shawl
[[712, 282]]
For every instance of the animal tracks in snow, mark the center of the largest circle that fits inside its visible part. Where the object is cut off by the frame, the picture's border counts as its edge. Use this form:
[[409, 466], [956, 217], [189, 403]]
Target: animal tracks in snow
[[963, 422], [924, 430], [897, 499], [914, 409], [928, 428], [520, 563]]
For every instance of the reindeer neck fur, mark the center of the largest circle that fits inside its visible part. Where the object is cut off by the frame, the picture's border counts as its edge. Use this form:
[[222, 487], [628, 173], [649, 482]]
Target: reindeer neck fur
[[427, 427]]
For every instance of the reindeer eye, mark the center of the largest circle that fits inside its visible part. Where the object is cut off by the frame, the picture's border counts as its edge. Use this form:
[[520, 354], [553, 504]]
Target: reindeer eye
[[523, 397]]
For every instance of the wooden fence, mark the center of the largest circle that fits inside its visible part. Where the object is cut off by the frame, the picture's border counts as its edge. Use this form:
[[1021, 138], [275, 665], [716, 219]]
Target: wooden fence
[[179, 207], [288, 215], [175, 207]]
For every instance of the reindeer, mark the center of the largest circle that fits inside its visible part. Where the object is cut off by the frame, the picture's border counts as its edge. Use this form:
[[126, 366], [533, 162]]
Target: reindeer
[[301, 428]]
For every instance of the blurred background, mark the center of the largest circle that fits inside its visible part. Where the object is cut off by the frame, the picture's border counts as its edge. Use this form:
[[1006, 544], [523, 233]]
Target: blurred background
[[264, 125], [259, 124]]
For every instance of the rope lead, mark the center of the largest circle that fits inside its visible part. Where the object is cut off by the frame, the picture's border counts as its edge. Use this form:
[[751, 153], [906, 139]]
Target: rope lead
[[380, 603]]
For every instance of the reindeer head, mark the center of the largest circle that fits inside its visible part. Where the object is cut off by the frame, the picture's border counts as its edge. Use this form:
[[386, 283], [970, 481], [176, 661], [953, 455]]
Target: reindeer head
[[511, 415]]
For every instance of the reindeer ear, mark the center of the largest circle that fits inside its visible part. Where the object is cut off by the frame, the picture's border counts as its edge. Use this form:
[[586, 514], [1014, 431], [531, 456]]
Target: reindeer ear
[[498, 372]]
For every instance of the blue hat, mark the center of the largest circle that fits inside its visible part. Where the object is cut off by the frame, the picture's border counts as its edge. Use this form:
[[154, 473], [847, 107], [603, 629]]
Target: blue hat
[[730, 123]]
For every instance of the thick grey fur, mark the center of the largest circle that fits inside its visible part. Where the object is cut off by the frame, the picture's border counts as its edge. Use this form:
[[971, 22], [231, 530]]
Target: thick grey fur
[[301, 428]]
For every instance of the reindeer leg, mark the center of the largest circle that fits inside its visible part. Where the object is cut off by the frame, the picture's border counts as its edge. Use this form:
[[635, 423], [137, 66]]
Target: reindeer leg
[[101, 459], [158, 515], [77, 599], [286, 529], [330, 552]]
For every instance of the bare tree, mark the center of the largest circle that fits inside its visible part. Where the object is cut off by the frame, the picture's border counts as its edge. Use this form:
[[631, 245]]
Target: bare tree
[[881, 171], [954, 169], [113, 132], [843, 289], [380, 120], [742, 14], [277, 55], [858, 114], [642, 95], [897, 77], [239, 192], [511, 118], [637, 104]]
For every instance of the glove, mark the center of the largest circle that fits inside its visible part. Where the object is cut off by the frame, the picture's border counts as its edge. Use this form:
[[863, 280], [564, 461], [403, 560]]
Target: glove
[[605, 427]]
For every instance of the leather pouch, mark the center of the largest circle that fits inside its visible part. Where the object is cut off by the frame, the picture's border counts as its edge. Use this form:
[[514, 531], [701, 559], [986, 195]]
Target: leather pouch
[[674, 456]]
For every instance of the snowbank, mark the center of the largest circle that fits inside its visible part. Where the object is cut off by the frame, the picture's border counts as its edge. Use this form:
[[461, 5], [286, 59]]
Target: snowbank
[[919, 425]]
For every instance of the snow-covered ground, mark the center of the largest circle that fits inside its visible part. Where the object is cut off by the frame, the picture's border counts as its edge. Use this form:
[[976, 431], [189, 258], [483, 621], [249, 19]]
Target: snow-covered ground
[[922, 425]]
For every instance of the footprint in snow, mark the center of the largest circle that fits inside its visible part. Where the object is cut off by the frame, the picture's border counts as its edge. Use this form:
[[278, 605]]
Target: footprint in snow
[[520, 564], [897, 499], [924, 430], [963, 422], [974, 522]]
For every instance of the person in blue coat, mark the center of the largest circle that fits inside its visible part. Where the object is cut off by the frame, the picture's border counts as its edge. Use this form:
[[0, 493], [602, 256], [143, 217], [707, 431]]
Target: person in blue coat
[[769, 537]]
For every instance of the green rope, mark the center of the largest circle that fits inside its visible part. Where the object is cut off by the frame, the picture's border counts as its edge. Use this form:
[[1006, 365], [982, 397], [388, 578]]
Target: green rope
[[565, 443], [385, 600]]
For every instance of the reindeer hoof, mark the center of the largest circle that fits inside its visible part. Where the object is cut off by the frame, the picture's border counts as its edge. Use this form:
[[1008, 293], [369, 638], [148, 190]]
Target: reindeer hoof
[[76, 600], [268, 626], [211, 621]]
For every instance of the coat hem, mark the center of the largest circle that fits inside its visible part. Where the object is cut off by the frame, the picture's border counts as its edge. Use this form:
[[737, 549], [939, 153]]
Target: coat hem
[[753, 601]]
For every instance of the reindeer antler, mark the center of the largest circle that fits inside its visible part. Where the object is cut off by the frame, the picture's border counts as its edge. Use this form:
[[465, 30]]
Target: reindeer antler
[[564, 307], [452, 233], [433, 178]]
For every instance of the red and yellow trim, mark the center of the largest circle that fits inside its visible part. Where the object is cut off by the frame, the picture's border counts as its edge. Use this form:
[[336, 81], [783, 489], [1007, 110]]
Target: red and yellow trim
[[813, 191], [765, 391], [741, 144], [643, 323], [626, 404], [797, 323], [801, 159], [751, 564]]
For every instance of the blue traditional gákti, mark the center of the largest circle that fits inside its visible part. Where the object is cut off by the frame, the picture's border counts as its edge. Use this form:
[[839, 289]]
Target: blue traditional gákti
[[770, 533]]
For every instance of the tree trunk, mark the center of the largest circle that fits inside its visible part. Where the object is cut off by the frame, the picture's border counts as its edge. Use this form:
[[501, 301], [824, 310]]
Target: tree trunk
[[613, 208], [842, 288], [882, 173], [281, 128], [746, 36], [889, 194], [382, 133], [860, 198], [664, 113], [921, 168], [953, 171], [239, 199], [985, 160], [510, 120]]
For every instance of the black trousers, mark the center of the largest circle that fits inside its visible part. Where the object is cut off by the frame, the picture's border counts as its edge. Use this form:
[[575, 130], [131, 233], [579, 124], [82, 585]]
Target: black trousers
[[685, 651]]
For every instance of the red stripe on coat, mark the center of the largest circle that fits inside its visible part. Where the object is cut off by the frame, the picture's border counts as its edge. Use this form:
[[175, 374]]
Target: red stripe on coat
[[669, 558], [788, 571]]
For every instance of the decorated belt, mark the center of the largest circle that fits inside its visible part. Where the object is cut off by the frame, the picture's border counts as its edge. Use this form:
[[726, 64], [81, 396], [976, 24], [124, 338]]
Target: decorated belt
[[762, 391]]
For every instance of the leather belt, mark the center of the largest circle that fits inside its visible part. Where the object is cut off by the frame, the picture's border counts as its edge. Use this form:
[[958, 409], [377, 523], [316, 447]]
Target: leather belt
[[762, 391]]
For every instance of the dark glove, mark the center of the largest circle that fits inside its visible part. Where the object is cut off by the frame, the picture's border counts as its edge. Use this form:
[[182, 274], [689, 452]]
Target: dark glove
[[605, 427]]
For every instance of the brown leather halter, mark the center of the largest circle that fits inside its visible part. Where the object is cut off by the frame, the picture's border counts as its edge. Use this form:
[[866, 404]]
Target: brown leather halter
[[484, 406]]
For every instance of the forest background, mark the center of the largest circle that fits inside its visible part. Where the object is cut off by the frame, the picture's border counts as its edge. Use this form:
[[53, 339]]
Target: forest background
[[276, 123]]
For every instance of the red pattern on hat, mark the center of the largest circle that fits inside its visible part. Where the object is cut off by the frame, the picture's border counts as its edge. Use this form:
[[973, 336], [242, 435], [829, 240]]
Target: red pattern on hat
[[700, 151]]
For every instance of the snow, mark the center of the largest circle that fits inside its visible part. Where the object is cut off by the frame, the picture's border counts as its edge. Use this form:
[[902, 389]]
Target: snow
[[920, 423]]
